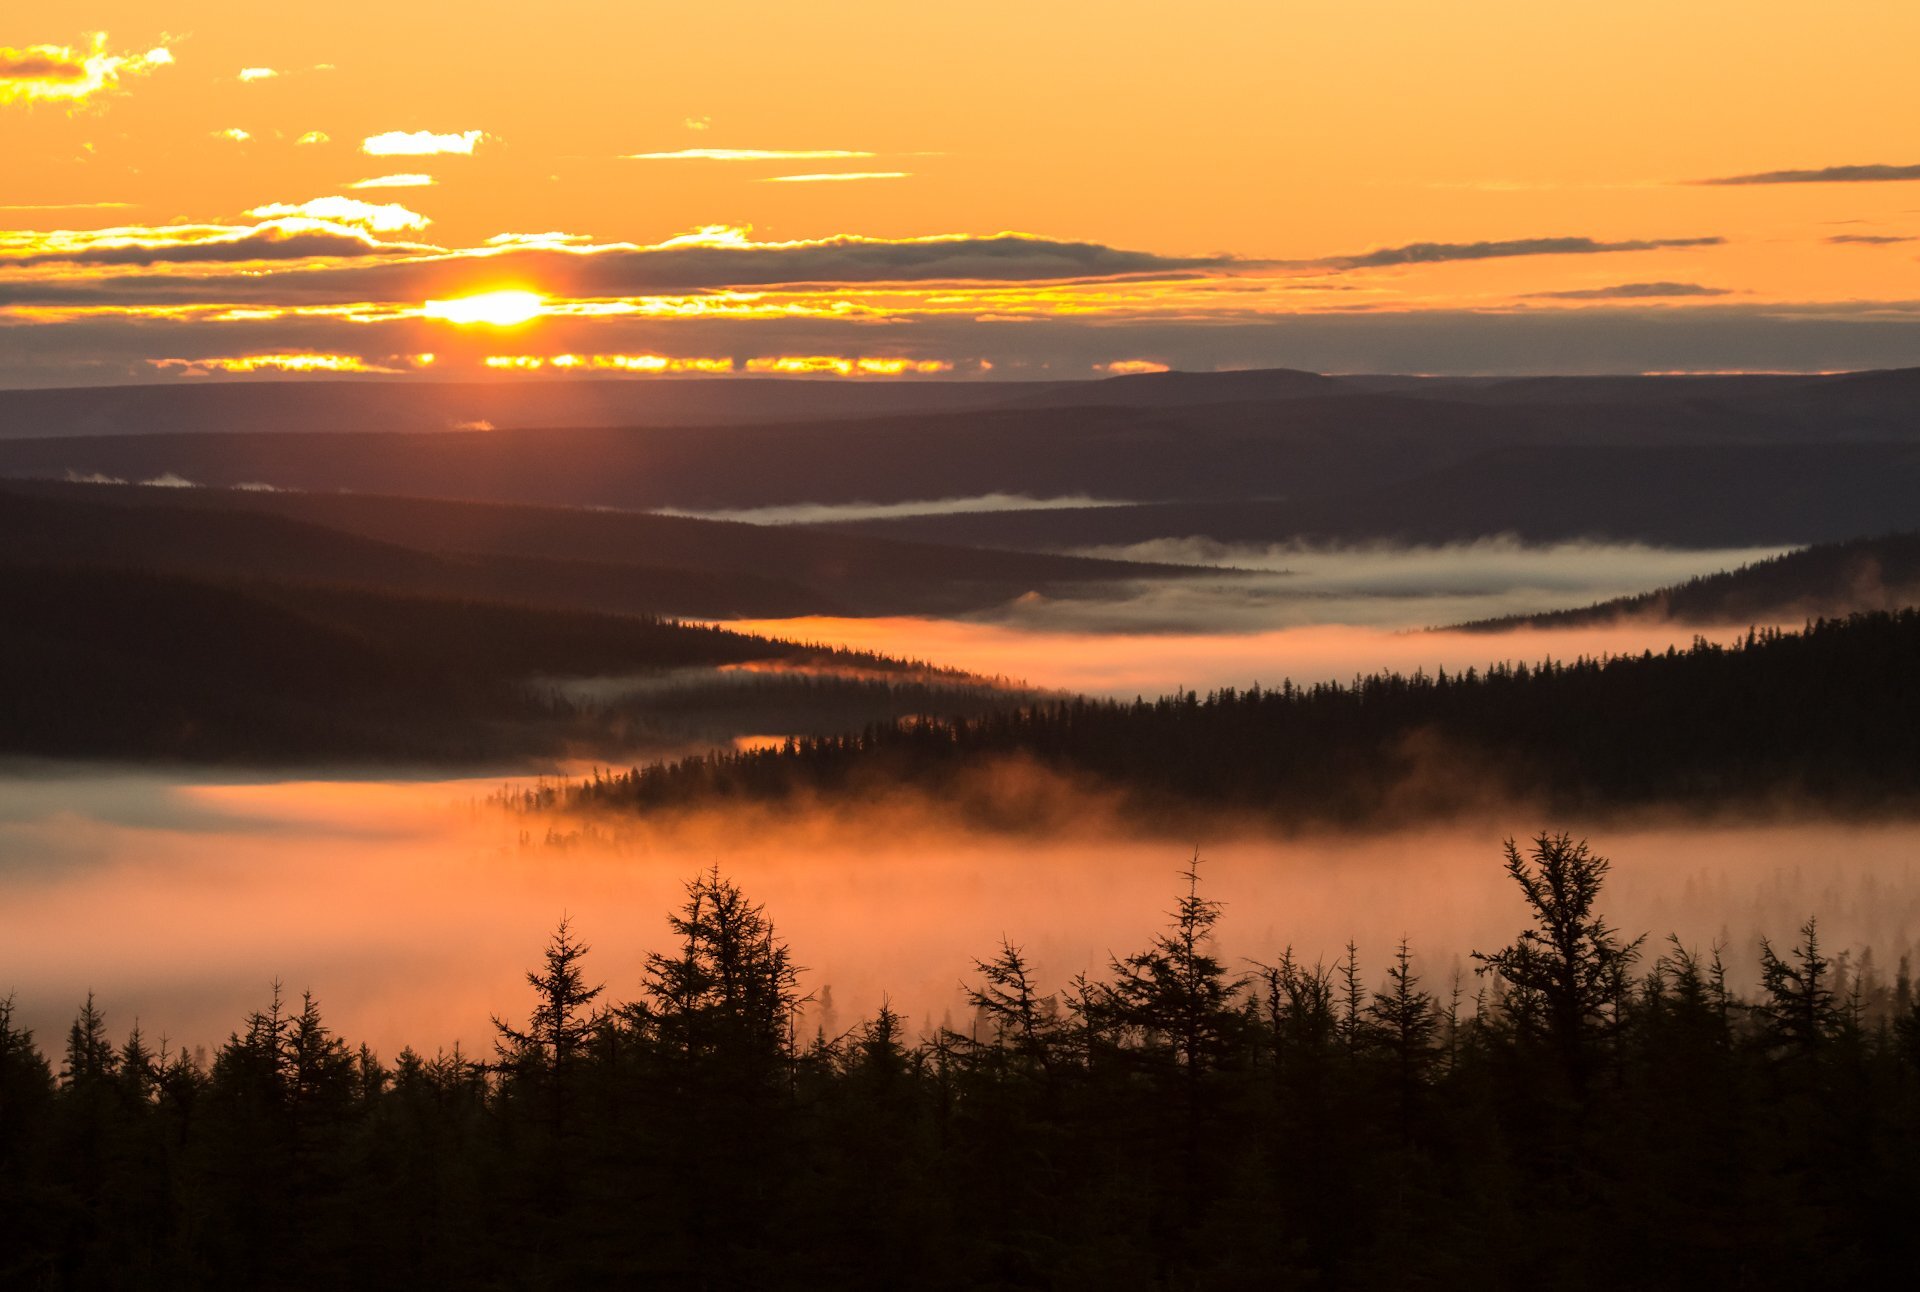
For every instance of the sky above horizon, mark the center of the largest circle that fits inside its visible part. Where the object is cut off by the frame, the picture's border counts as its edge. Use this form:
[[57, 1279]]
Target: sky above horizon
[[884, 192]]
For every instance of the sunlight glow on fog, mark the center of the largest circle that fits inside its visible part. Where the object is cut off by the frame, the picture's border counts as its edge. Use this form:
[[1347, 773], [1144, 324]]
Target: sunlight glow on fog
[[1153, 664], [411, 911]]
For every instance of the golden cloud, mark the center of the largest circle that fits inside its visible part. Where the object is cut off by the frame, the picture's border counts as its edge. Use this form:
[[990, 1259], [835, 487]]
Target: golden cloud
[[313, 137], [804, 365], [381, 217], [421, 143], [834, 176], [395, 181], [641, 363], [750, 154], [251, 74], [246, 363], [63, 74]]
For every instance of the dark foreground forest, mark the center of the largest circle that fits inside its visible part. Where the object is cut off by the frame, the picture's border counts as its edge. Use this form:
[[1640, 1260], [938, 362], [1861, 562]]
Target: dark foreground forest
[[1829, 716], [1585, 1111]]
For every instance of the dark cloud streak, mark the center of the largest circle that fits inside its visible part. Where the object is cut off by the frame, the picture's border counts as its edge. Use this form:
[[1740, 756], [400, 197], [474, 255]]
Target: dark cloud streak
[[1824, 175], [1631, 292], [610, 272], [1433, 253], [261, 244]]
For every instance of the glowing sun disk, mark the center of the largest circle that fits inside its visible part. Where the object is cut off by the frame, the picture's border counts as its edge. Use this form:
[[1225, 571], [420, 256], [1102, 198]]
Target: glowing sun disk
[[500, 309]]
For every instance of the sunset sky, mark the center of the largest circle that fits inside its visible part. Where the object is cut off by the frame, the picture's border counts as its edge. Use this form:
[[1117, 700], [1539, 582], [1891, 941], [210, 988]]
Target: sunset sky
[[886, 191]]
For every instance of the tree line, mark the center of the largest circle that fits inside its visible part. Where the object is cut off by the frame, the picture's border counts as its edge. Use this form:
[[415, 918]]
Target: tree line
[[1828, 716], [1584, 1110]]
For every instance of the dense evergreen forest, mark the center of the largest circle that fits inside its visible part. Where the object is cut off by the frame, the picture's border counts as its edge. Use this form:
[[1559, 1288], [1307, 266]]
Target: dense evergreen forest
[[1829, 716], [1586, 1110]]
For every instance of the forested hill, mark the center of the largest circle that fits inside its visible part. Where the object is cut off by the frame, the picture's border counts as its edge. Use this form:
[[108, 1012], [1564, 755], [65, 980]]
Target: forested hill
[[1831, 715], [1825, 580], [129, 664]]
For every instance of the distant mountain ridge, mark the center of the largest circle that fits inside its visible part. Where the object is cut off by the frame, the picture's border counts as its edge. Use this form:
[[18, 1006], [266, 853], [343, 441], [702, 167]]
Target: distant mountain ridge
[[1264, 456]]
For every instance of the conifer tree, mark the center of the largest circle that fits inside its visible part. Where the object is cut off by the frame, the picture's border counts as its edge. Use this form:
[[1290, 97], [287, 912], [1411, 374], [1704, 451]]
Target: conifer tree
[[90, 1059], [563, 1016], [1566, 976], [1405, 1021], [26, 1084], [1176, 995], [1022, 1022], [1798, 1013], [731, 991]]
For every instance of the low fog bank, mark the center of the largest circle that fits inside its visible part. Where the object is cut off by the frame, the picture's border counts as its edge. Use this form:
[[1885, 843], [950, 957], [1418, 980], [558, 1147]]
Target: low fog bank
[[827, 513], [1383, 586], [412, 910], [1129, 664]]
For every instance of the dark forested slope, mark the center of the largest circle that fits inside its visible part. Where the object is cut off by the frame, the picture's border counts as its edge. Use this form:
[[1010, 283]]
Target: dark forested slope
[[1829, 716], [103, 663]]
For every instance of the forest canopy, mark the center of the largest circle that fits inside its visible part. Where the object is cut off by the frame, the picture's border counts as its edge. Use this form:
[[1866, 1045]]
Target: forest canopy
[[1584, 1110]]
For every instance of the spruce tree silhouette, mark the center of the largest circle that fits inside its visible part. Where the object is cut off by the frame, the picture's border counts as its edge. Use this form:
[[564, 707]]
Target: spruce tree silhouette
[[1798, 1015], [1566, 976]]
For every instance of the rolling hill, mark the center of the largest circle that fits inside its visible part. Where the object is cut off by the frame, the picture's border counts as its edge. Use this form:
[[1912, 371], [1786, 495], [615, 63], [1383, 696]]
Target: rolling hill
[[136, 665], [555, 557]]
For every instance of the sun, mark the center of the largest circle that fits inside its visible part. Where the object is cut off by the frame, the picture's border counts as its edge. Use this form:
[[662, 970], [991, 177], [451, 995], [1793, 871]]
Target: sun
[[499, 309]]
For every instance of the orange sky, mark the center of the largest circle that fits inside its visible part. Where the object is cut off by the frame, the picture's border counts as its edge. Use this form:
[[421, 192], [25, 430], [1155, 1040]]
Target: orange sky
[[1391, 185]]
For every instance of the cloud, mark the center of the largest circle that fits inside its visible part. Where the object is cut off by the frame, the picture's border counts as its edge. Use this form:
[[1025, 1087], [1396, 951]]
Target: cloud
[[65, 206], [281, 363], [233, 134], [697, 123], [751, 154], [803, 365], [1632, 291], [69, 76], [421, 143], [1433, 253], [1868, 239], [627, 363], [727, 259], [251, 74], [313, 137], [1824, 175], [384, 217], [290, 239], [395, 181], [837, 176], [1620, 337], [551, 238], [712, 259]]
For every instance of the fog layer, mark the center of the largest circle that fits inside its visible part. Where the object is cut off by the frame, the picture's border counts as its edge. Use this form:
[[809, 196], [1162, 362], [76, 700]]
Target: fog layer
[[412, 909], [1126, 664], [817, 513]]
